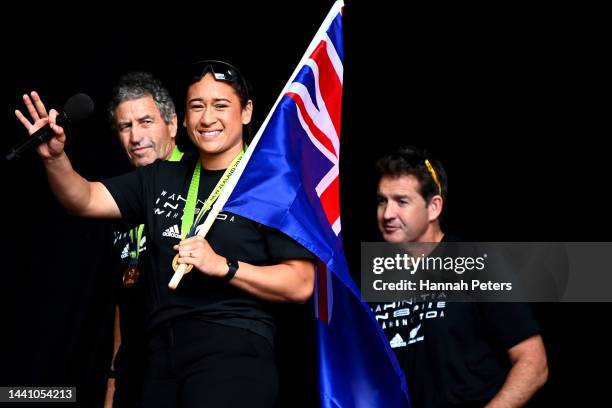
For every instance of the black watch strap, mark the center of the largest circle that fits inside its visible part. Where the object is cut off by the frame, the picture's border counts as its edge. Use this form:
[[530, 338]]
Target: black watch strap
[[233, 268]]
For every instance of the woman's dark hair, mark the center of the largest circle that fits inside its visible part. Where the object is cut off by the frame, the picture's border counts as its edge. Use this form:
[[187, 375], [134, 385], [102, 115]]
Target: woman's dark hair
[[225, 72]]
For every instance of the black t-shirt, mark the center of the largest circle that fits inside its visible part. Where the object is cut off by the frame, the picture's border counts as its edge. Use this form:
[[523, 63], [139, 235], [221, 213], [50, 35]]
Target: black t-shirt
[[155, 195], [131, 300], [454, 353]]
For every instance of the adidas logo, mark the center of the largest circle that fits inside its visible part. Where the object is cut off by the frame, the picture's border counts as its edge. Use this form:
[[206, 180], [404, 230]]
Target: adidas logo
[[397, 341], [126, 251], [173, 232]]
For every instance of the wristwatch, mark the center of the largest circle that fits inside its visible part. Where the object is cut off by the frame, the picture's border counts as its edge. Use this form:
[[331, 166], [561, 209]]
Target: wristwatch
[[233, 268]]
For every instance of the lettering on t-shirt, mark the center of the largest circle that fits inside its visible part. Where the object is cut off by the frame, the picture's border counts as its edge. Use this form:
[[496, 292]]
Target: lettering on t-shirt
[[404, 322]]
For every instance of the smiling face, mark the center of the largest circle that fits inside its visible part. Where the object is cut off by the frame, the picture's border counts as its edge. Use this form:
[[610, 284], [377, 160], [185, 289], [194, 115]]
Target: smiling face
[[403, 214], [142, 131], [214, 119]]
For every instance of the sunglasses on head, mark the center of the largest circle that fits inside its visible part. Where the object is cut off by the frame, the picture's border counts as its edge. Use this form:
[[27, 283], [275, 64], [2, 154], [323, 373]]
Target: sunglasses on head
[[417, 160], [222, 71]]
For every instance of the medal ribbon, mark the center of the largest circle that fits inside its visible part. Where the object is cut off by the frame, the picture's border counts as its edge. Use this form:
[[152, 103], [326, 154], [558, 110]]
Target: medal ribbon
[[188, 223], [135, 237], [176, 155]]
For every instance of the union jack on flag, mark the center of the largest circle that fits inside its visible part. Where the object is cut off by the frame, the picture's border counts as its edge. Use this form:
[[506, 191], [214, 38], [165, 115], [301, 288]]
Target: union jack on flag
[[289, 180]]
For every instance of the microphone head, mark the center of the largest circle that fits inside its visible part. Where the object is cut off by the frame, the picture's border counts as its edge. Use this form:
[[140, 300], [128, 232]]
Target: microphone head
[[78, 107]]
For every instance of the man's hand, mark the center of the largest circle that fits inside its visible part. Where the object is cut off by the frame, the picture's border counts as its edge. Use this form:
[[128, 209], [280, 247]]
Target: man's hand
[[54, 147], [37, 111]]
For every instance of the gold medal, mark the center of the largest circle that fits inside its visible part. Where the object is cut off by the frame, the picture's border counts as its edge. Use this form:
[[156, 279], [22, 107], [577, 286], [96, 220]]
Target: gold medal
[[130, 276], [175, 264]]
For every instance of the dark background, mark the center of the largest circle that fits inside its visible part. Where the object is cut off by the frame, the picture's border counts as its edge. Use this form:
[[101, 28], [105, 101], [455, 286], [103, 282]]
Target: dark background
[[510, 100]]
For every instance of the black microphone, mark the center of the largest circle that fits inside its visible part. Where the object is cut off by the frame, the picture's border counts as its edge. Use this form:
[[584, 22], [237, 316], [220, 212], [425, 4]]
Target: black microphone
[[76, 108]]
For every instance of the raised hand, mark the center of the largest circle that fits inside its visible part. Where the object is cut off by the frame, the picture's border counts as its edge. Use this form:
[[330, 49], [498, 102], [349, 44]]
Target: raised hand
[[37, 111], [54, 147]]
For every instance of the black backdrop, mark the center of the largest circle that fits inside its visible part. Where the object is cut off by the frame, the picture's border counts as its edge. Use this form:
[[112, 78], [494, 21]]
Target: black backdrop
[[511, 100]]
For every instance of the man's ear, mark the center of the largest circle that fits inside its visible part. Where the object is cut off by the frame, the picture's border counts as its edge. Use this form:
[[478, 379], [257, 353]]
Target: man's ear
[[434, 208], [173, 126]]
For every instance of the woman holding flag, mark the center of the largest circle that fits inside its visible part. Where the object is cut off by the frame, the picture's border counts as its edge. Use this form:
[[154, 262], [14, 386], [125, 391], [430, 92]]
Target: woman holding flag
[[210, 339]]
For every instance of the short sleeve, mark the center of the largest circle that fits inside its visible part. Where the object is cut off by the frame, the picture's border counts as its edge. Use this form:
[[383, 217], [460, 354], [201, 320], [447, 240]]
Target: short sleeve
[[281, 247], [128, 191], [509, 322]]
